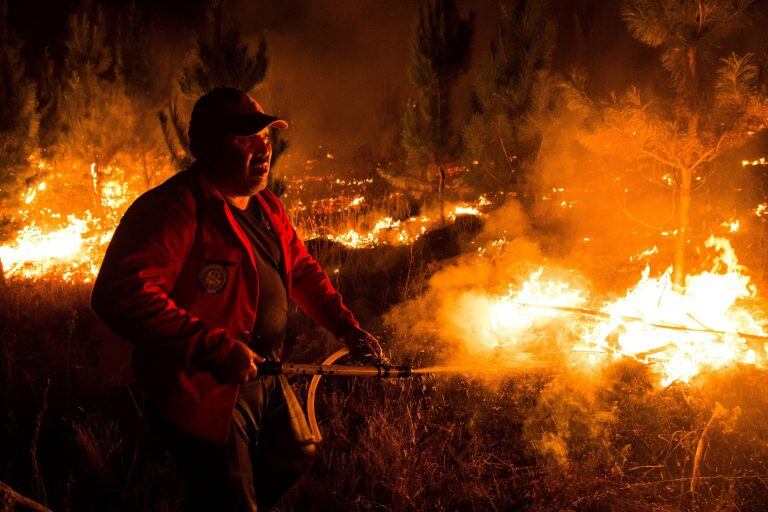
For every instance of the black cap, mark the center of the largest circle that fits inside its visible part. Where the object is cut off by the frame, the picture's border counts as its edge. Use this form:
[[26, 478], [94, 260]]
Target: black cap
[[226, 110]]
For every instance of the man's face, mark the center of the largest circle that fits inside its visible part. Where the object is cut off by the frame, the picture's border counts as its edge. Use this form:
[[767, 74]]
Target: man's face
[[242, 162]]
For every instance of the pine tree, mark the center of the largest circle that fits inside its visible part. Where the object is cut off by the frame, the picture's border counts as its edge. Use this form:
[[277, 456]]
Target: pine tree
[[440, 54], [49, 89], [689, 33], [19, 120], [223, 59], [513, 86], [135, 59], [97, 117], [175, 134], [147, 87]]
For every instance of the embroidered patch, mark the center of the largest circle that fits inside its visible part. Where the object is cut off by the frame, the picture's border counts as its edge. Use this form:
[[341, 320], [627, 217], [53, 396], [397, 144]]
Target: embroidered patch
[[213, 278]]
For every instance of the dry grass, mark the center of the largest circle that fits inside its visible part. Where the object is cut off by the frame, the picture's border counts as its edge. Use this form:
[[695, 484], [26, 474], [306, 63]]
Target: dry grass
[[545, 440]]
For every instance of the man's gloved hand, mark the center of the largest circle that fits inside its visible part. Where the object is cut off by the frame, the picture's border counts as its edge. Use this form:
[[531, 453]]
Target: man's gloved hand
[[364, 347], [239, 366]]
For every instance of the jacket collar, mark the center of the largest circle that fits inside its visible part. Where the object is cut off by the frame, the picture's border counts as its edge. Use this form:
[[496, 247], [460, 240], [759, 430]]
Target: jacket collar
[[213, 194]]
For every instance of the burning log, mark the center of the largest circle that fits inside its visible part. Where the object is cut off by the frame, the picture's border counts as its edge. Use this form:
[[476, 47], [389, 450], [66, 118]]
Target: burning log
[[624, 318]]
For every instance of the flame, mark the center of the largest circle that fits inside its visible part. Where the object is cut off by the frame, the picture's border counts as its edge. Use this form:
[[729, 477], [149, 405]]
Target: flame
[[732, 225], [465, 209], [72, 251], [385, 230], [55, 243], [679, 333], [709, 301], [754, 163], [503, 321], [357, 201], [69, 242]]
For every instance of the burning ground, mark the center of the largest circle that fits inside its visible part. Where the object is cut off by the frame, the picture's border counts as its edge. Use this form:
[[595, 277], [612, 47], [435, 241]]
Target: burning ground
[[577, 385]]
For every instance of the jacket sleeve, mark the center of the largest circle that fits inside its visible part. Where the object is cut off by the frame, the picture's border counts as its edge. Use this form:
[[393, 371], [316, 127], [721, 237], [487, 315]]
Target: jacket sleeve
[[140, 267], [312, 290]]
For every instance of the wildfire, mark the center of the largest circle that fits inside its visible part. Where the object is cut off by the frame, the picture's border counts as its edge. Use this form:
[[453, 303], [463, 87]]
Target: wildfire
[[387, 230], [68, 246], [679, 333]]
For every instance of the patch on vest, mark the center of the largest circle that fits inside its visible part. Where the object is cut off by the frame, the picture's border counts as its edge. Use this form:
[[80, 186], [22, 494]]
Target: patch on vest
[[213, 278]]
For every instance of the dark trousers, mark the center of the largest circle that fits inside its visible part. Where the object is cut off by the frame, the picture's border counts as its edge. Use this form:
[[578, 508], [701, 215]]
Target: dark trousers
[[268, 448]]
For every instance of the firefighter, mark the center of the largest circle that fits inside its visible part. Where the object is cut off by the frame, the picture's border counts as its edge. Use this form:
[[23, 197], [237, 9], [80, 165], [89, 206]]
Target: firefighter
[[197, 278]]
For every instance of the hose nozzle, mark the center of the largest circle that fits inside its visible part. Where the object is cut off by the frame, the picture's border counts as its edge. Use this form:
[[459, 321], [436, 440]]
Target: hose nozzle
[[384, 371]]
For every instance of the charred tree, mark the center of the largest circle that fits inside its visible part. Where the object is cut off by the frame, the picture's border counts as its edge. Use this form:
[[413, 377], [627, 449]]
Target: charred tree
[[440, 54]]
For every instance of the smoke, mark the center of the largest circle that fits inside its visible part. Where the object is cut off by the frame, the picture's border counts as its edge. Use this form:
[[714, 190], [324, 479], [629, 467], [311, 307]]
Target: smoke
[[453, 313]]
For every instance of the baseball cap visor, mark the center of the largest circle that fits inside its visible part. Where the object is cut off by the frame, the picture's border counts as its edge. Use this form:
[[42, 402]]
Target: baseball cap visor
[[254, 123]]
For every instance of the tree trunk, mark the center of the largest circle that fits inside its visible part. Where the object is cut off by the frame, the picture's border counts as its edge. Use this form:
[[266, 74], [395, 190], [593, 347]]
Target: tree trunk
[[97, 178], [441, 192], [683, 219], [684, 208]]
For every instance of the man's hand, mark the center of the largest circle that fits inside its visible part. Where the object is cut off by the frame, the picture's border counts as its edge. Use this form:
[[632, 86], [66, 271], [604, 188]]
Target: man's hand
[[364, 347], [239, 366]]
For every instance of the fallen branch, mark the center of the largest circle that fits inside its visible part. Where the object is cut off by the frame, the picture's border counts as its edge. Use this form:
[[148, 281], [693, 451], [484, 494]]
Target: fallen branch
[[700, 447], [12, 500], [625, 318]]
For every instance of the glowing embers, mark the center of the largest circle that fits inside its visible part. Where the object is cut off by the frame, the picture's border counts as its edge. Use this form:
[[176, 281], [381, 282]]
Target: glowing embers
[[389, 231], [679, 333], [385, 231]]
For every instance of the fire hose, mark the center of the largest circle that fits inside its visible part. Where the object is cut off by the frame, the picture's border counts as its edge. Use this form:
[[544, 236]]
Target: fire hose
[[317, 371]]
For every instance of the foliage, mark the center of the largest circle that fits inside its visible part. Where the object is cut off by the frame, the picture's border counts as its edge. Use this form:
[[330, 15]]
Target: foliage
[[717, 105], [135, 60], [175, 135], [513, 90], [137, 66], [688, 34], [19, 119], [440, 54], [539, 441], [49, 101], [223, 59]]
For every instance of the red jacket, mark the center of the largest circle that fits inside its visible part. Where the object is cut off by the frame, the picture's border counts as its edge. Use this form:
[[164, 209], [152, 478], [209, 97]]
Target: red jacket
[[179, 282]]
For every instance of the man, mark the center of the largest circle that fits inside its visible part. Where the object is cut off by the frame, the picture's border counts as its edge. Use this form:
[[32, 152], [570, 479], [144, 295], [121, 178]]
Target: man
[[197, 277]]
